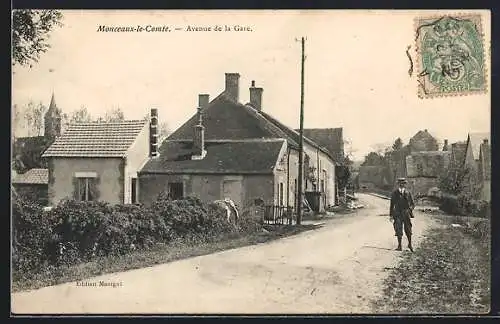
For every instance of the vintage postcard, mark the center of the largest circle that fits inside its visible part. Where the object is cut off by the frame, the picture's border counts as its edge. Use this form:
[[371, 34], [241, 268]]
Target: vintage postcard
[[251, 162]]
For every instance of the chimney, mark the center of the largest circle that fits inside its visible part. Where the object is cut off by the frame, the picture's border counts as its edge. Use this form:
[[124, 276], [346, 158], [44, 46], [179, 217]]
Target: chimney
[[232, 85], [153, 133], [256, 96], [199, 129], [445, 145], [203, 100]]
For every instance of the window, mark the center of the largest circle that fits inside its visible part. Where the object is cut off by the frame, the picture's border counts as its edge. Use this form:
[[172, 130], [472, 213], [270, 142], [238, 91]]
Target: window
[[86, 190], [176, 190], [322, 185], [134, 191]]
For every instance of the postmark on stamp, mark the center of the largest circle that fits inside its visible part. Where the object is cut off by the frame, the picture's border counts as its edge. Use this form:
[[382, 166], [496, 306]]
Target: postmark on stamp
[[450, 56]]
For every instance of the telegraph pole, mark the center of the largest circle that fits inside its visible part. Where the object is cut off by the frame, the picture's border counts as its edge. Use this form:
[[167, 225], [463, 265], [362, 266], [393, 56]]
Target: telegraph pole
[[301, 144]]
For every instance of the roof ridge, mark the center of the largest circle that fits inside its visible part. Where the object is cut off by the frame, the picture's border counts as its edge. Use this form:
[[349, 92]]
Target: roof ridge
[[307, 139], [96, 122], [229, 140]]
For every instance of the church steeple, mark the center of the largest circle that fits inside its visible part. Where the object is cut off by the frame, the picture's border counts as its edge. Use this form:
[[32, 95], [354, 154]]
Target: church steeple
[[52, 120]]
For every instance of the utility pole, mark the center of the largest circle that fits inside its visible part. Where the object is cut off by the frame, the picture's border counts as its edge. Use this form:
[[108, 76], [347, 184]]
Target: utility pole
[[301, 144]]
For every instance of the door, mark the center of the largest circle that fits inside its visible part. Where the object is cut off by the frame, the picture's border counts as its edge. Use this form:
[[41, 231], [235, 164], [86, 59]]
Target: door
[[233, 189]]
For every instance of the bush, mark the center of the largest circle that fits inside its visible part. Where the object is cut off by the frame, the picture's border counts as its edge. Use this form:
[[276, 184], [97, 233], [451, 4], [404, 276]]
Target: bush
[[75, 231], [32, 233], [463, 205]]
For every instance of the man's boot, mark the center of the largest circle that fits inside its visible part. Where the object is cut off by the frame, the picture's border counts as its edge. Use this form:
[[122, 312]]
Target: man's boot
[[399, 244], [409, 243]]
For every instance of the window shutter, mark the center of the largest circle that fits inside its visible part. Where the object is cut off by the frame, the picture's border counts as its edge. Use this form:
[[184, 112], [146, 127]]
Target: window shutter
[[94, 188], [75, 188]]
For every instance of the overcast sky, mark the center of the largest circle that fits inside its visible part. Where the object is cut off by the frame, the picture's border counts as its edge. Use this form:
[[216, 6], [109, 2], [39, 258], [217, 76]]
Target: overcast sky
[[356, 70]]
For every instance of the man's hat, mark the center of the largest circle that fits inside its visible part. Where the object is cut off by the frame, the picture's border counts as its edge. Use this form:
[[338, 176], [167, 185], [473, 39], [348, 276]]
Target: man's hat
[[402, 180]]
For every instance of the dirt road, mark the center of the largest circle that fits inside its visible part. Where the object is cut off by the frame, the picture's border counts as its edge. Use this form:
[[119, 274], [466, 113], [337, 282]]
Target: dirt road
[[338, 268]]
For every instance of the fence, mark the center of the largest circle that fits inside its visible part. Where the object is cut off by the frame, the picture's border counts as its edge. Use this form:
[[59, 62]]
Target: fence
[[278, 215]]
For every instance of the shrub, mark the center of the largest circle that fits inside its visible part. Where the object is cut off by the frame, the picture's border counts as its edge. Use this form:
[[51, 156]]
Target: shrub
[[464, 205], [75, 231], [32, 233]]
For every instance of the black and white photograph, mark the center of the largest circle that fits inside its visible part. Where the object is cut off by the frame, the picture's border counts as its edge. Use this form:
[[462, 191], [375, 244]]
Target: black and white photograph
[[248, 162]]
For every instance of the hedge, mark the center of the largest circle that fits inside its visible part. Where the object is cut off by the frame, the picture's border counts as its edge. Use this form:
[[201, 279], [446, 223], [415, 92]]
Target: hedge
[[75, 231], [462, 205]]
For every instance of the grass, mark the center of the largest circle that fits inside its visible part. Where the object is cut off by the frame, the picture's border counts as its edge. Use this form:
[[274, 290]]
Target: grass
[[158, 255], [448, 273]]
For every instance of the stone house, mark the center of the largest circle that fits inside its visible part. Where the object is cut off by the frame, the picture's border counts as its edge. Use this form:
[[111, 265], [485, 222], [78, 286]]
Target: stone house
[[99, 161], [234, 150], [425, 163], [424, 170], [423, 141]]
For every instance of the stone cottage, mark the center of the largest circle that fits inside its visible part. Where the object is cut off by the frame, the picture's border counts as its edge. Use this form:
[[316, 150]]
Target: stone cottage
[[99, 161], [425, 163], [234, 150], [423, 141], [424, 170]]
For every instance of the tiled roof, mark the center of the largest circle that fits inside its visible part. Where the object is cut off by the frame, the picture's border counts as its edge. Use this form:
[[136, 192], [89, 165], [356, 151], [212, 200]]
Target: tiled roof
[[330, 138], [33, 176], [225, 118], [96, 139], [223, 157]]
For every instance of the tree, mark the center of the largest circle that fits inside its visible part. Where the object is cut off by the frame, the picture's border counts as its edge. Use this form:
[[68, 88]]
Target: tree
[[398, 144], [460, 180], [30, 32], [34, 118], [396, 157], [81, 115], [16, 120], [374, 159], [112, 115], [163, 129]]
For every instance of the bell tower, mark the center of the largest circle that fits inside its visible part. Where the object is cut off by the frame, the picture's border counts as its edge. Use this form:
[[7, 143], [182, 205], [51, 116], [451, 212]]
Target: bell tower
[[52, 120]]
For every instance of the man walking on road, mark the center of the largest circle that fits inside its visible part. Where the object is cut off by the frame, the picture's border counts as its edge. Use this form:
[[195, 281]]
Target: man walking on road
[[401, 212]]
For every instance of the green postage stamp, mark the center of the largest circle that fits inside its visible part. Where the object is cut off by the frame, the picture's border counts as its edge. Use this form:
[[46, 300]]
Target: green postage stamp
[[450, 56]]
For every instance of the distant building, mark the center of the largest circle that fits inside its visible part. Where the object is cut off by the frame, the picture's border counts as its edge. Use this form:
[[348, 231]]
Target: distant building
[[424, 163], [423, 141], [424, 170], [33, 185]]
